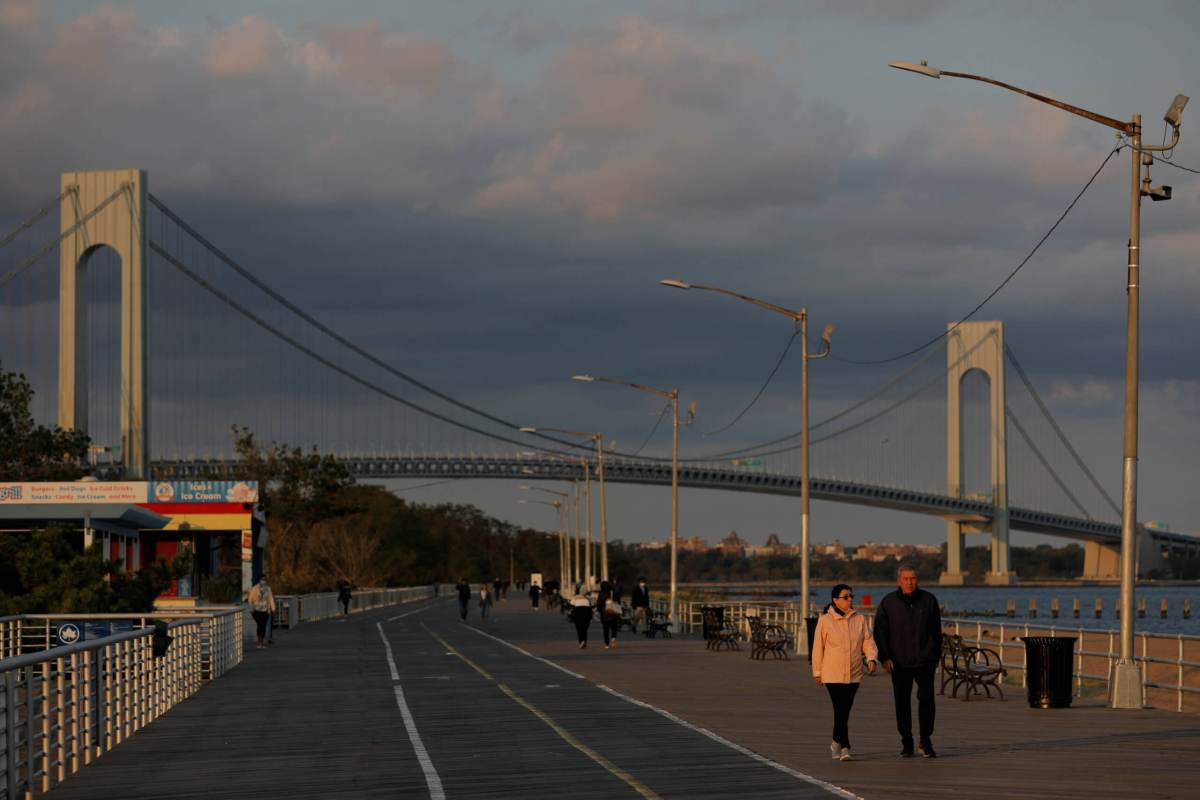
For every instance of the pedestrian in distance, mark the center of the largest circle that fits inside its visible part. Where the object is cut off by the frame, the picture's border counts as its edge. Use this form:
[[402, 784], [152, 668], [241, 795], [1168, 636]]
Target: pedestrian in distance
[[610, 614], [908, 633], [262, 606], [641, 604], [496, 595], [485, 601], [581, 615], [840, 646], [535, 592], [464, 597], [344, 597]]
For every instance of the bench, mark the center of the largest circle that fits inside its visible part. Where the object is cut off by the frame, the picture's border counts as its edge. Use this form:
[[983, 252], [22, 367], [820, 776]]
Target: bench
[[976, 670], [718, 632], [656, 623], [767, 639]]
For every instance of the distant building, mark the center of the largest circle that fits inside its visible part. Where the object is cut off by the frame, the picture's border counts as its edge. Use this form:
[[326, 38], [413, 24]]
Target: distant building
[[732, 545], [774, 547], [835, 549], [653, 544], [878, 551], [693, 545]]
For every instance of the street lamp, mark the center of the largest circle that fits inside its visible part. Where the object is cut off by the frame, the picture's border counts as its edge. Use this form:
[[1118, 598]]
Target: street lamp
[[562, 568], [799, 318], [585, 561], [1127, 679], [566, 502], [599, 440], [673, 396]]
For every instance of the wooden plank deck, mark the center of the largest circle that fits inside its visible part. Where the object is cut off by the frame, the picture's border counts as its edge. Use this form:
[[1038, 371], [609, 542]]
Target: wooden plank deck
[[318, 716]]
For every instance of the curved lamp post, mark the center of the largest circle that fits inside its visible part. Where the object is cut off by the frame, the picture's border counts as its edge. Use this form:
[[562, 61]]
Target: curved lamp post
[[599, 440], [673, 396], [800, 319], [1126, 689]]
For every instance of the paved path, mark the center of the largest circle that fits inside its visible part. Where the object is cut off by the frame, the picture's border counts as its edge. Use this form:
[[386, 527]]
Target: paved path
[[410, 702]]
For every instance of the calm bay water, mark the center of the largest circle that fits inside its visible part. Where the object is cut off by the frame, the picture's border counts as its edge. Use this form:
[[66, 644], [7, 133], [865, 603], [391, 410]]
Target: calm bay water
[[990, 602]]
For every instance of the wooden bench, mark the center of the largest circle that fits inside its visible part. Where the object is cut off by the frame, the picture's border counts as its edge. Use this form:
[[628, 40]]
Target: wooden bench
[[718, 632], [767, 640], [976, 670]]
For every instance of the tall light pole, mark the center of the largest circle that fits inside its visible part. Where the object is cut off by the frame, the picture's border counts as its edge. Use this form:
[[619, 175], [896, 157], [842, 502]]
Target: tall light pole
[[581, 561], [565, 513], [599, 440], [673, 396], [800, 319], [562, 553], [1127, 679]]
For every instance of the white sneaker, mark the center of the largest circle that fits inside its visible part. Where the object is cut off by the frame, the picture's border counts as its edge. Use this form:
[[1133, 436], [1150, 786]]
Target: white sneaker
[[836, 749], [845, 756]]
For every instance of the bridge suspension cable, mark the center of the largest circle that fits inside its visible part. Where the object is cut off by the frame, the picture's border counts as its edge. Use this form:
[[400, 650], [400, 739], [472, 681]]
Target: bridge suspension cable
[[53, 243], [1003, 283], [29, 223]]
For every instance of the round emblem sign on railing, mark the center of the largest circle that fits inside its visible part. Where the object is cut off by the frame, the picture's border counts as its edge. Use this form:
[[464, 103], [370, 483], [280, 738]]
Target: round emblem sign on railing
[[68, 633]]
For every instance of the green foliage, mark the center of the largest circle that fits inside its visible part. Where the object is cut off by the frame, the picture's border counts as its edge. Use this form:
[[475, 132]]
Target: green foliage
[[224, 588], [31, 452], [48, 572]]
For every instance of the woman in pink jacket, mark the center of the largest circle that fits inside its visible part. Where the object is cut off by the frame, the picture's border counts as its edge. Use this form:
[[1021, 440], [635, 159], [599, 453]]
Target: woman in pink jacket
[[840, 645]]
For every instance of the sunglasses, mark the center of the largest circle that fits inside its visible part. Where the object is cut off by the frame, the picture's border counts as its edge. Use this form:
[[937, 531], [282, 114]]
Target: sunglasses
[[845, 597]]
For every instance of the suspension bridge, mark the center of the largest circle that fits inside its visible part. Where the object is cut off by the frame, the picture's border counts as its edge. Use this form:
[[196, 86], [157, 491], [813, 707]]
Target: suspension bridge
[[164, 341]]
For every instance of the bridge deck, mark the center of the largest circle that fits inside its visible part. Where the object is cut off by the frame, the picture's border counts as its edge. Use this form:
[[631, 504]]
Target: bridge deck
[[320, 715]]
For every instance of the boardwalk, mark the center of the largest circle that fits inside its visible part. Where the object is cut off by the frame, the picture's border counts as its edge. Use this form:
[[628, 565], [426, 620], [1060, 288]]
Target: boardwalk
[[514, 710]]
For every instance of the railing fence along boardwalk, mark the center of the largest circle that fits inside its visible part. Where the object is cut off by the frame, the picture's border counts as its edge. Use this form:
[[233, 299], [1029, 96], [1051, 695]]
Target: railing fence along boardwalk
[[1170, 664], [63, 707]]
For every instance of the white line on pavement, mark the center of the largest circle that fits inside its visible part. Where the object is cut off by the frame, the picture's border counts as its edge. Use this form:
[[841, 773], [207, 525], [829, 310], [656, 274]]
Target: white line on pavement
[[431, 777], [829, 787]]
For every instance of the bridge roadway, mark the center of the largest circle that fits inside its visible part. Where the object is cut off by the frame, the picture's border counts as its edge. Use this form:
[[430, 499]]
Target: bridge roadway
[[713, 476], [409, 702]]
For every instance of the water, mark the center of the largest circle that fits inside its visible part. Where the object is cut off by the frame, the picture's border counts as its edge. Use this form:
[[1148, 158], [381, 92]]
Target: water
[[990, 602]]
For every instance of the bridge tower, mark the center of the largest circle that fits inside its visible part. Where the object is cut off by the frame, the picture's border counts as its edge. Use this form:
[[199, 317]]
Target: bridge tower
[[977, 346], [119, 225]]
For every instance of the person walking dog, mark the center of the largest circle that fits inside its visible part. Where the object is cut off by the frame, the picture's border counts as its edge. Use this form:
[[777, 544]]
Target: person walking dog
[[908, 632], [840, 645]]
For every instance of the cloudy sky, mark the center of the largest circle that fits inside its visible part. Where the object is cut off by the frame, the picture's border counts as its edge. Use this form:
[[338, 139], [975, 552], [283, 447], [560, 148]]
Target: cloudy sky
[[486, 193]]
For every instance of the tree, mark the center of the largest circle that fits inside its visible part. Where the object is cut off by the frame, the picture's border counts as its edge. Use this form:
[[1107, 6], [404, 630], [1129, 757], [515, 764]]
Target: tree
[[32, 452]]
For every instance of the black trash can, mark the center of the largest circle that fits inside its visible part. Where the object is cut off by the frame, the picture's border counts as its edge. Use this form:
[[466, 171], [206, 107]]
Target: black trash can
[[810, 623], [713, 618], [1049, 670]]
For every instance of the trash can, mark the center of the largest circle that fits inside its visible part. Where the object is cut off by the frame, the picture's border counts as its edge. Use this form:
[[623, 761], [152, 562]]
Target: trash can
[[1049, 670], [810, 623], [713, 620]]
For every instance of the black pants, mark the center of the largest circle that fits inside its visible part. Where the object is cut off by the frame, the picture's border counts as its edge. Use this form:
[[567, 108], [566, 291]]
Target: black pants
[[462, 607], [260, 623], [610, 625], [842, 695], [346, 605], [902, 681], [582, 617]]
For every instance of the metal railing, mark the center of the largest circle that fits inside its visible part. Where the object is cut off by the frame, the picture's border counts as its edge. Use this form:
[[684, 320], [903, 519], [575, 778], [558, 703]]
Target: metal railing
[[1163, 659], [293, 609], [65, 707], [221, 630]]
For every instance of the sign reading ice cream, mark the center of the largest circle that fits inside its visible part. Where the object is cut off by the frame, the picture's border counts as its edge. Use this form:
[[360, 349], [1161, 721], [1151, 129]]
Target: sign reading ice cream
[[205, 492], [130, 492]]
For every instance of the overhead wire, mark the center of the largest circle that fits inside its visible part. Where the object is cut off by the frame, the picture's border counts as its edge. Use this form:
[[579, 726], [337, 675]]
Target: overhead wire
[[761, 389], [1003, 283], [653, 430]]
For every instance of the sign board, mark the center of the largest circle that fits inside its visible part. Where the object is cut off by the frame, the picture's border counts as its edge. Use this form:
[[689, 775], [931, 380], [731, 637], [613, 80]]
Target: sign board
[[247, 545], [205, 492], [73, 492], [67, 633], [129, 492], [535, 579]]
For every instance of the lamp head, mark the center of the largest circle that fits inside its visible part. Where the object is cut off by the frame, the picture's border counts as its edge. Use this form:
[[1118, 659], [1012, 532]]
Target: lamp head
[[677, 284], [524, 488], [1175, 112], [921, 69], [527, 429], [827, 334], [586, 378]]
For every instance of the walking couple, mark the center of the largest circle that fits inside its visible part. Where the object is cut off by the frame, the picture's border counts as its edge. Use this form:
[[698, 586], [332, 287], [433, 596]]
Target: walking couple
[[908, 643]]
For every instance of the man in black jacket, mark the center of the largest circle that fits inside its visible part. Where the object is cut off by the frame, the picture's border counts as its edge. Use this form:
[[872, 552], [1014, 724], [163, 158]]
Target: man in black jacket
[[641, 604], [908, 632]]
